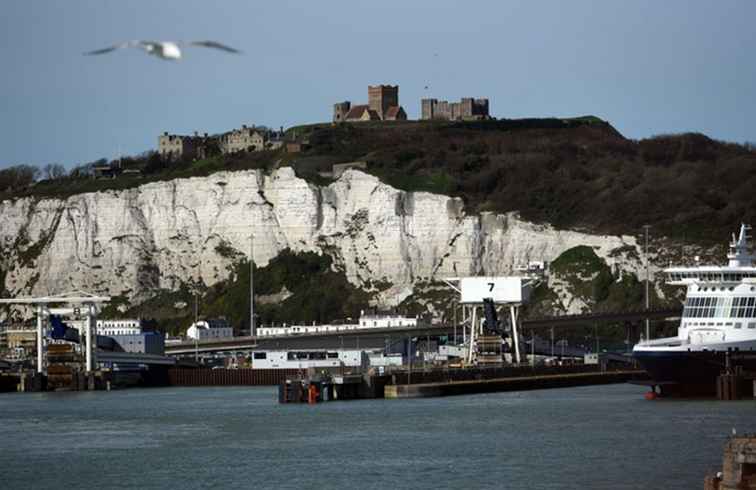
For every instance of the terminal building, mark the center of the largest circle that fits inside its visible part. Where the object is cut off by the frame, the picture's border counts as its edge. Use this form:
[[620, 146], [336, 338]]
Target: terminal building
[[141, 343], [128, 326], [303, 359], [326, 358]]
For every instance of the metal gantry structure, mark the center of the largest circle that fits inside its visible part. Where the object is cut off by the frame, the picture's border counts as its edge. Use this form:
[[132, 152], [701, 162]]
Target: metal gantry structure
[[509, 292], [76, 305]]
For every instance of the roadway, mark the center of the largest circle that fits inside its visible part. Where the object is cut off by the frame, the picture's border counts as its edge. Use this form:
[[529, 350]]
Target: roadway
[[134, 358], [348, 339], [380, 337]]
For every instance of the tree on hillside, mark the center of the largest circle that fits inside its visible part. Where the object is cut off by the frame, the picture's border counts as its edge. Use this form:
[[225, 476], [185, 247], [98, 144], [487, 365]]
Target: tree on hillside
[[18, 177], [85, 169], [53, 171]]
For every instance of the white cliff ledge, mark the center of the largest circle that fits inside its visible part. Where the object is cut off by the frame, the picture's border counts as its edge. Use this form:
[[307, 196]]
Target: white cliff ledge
[[163, 234]]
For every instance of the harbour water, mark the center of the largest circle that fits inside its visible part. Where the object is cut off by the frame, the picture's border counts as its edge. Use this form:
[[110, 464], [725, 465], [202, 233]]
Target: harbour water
[[594, 437]]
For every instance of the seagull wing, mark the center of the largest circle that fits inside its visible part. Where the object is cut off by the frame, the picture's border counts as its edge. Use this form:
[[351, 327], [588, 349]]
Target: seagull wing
[[127, 44], [216, 45]]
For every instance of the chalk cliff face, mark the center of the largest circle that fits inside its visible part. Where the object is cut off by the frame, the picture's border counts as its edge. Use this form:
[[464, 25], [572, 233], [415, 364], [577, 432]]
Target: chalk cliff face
[[163, 234]]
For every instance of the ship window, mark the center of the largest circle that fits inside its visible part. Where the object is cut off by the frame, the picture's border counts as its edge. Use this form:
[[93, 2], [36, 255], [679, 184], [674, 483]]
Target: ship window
[[738, 325], [752, 325]]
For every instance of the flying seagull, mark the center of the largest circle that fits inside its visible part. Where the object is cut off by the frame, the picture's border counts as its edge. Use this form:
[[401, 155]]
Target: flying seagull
[[166, 50]]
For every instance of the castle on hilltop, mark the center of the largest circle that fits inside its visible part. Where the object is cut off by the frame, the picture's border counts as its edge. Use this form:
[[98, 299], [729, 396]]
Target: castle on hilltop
[[383, 105], [467, 109]]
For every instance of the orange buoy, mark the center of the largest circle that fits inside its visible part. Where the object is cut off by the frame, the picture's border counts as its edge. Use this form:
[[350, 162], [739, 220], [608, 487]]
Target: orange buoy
[[650, 395], [312, 395]]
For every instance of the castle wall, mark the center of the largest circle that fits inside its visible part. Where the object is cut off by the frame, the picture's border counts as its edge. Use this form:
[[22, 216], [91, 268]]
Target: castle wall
[[466, 108]]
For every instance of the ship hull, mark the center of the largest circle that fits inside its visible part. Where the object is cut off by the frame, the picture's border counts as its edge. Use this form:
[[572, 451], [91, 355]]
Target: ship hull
[[685, 373]]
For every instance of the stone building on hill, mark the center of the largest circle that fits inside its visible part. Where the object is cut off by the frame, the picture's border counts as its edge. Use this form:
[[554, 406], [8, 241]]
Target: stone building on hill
[[251, 138], [247, 138], [467, 109], [383, 105], [176, 147]]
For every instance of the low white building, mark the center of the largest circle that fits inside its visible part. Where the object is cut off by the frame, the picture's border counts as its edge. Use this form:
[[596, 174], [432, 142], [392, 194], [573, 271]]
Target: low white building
[[367, 321], [210, 330], [380, 359], [303, 359], [127, 326], [108, 328], [452, 350], [386, 321]]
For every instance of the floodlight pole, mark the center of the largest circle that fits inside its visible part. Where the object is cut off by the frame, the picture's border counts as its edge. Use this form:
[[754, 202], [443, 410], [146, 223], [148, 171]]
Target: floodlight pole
[[90, 337], [40, 337], [252, 329], [473, 334], [648, 328], [515, 339]]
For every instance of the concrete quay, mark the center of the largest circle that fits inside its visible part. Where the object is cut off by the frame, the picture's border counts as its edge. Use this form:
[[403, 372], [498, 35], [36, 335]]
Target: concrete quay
[[315, 387], [518, 383]]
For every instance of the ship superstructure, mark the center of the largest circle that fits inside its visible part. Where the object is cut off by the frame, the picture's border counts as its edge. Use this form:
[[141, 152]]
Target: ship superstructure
[[719, 319]]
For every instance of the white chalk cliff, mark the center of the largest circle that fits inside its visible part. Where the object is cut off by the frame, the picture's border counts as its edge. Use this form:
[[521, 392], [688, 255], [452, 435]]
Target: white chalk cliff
[[163, 234]]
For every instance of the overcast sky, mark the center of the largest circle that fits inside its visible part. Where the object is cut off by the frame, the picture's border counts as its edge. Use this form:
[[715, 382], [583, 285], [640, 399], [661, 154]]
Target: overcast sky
[[648, 67]]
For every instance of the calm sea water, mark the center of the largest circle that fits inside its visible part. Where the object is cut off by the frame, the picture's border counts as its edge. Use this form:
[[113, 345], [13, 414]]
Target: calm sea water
[[590, 437]]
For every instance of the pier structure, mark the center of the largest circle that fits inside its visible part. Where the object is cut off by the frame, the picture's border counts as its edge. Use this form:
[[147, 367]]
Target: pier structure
[[488, 295], [76, 305], [738, 465]]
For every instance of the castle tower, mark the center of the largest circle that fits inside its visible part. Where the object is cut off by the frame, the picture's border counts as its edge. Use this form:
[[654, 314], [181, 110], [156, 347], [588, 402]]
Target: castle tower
[[381, 97], [340, 110], [428, 107]]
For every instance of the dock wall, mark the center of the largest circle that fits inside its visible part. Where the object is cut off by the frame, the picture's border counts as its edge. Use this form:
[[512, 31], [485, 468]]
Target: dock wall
[[228, 377], [520, 383], [422, 376]]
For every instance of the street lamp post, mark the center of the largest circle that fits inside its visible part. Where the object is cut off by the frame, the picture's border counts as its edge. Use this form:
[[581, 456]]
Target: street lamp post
[[196, 328], [455, 323], [648, 328]]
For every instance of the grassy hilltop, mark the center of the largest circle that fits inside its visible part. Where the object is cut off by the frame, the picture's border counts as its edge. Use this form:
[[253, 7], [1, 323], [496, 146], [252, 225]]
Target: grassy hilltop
[[574, 173]]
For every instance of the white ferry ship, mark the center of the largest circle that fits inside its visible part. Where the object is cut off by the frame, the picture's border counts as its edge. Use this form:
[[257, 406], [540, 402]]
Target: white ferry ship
[[719, 317]]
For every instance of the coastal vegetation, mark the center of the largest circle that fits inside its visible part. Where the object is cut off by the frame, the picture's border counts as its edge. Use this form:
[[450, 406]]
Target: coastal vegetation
[[578, 174], [316, 292], [572, 173]]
